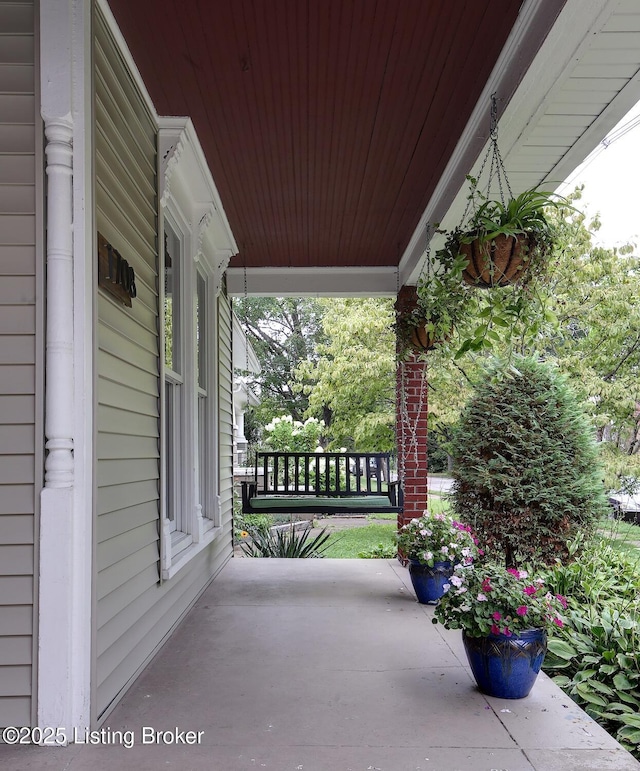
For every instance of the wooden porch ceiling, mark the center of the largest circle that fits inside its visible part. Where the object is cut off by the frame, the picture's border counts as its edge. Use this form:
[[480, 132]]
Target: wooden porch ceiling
[[327, 124]]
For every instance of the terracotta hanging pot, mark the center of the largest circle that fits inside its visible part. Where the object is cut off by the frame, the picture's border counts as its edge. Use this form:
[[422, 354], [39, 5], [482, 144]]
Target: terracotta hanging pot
[[500, 261]]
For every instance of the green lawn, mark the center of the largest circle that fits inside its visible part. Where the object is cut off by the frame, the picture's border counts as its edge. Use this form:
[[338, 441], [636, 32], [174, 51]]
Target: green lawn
[[347, 544], [624, 536]]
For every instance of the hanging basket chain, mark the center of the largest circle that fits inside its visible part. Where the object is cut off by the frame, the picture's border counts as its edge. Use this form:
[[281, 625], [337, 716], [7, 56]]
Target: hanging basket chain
[[496, 168], [246, 324], [409, 440]]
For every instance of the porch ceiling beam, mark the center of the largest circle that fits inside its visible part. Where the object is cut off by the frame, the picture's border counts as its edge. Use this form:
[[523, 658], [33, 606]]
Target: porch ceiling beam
[[313, 282]]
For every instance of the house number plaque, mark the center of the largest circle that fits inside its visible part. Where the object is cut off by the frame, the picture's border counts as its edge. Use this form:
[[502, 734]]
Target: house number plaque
[[115, 275]]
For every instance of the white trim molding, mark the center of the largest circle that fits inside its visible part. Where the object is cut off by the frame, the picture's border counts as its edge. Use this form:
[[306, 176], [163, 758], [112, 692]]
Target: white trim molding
[[66, 506], [313, 282], [190, 202]]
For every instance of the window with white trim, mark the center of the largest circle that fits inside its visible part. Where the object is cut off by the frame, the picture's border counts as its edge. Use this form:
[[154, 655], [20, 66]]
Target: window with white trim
[[198, 245], [204, 459], [174, 407]]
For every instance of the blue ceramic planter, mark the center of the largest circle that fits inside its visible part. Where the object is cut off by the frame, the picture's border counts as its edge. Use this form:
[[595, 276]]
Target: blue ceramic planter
[[428, 582], [506, 667]]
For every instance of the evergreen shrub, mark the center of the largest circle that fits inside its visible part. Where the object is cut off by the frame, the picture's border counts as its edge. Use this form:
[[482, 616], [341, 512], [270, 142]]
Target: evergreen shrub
[[526, 469]]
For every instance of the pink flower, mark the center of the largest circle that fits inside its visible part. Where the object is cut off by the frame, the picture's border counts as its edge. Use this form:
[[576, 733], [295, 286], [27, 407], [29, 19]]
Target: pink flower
[[494, 629], [496, 616], [486, 585], [522, 610], [558, 622], [514, 572], [506, 632], [562, 600], [530, 590]]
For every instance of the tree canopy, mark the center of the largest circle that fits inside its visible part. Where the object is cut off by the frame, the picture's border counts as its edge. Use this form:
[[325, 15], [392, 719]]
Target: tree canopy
[[283, 331], [351, 383]]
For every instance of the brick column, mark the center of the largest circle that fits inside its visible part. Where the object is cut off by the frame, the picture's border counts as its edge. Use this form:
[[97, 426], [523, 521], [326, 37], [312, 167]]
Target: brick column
[[411, 427]]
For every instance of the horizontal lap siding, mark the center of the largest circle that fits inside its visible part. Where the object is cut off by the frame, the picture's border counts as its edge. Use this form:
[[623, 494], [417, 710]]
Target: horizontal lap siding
[[134, 610], [127, 531], [20, 362], [225, 409]]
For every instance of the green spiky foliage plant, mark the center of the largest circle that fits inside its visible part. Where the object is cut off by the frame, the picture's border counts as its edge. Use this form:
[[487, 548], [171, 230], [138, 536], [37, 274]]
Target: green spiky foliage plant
[[527, 476]]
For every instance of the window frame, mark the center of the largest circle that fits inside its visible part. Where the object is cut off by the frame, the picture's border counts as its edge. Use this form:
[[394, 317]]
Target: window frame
[[192, 499]]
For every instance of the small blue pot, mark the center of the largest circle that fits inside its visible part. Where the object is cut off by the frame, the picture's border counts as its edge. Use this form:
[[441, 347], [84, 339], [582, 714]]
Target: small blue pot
[[506, 667], [428, 582]]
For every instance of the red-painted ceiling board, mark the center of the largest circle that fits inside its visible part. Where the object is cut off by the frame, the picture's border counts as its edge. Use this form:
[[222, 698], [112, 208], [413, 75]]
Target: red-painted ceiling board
[[326, 123]]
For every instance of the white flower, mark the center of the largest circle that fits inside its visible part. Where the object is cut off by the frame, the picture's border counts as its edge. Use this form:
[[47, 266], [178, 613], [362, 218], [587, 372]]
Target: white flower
[[444, 549], [428, 555], [482, 597], [456, 580], [423, 532], [446, 587], [462, 590]]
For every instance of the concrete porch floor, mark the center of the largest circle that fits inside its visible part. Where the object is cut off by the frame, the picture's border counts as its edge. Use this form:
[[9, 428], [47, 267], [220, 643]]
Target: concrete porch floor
[[327, 665]]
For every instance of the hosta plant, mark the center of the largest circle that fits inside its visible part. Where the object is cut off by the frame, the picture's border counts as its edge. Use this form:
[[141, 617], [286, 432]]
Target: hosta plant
[[596, 658], [597, 663]]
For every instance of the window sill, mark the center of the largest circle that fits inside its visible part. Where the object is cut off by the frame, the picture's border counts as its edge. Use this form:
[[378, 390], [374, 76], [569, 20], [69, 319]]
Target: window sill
[[189, 553]]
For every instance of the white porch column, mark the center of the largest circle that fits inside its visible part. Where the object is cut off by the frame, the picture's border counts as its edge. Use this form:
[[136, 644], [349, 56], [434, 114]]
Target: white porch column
[[66, 508], [59, 332]]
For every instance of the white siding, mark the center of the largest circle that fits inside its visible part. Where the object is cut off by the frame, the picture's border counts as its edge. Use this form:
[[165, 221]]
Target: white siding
[[20, 360], [135, 611], [225, 410]]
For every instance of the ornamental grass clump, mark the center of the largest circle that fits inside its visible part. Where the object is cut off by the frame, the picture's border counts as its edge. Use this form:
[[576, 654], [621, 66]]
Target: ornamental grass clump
[[491, 599], [435, 538], [526, 469]]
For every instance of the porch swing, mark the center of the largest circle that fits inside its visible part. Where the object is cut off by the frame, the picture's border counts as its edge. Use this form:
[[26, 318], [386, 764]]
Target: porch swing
[[320, 482]]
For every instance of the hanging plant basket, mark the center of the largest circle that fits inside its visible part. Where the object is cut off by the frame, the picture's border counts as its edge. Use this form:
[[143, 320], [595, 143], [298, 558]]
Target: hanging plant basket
[[422, 339], [501, 261], [415, 331], [504, 239]]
